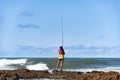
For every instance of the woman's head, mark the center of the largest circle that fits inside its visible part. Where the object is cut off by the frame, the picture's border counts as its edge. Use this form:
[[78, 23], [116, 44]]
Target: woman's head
[[61, 47]]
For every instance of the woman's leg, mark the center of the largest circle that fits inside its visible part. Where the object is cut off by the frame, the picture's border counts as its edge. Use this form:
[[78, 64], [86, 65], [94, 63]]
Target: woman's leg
[[58, 63], [61, 65]]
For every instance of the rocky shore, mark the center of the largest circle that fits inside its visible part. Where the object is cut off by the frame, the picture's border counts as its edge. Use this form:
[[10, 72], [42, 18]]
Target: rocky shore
[[66, 75]]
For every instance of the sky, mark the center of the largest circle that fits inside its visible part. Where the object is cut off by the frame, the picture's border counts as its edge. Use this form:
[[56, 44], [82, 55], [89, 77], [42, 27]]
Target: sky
[[38, 23]]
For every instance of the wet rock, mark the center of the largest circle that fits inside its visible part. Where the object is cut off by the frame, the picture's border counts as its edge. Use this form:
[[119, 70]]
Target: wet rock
[[68, 75]]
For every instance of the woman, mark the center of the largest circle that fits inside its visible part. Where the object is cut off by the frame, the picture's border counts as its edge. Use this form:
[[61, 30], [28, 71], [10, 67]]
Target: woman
[[60, 58]]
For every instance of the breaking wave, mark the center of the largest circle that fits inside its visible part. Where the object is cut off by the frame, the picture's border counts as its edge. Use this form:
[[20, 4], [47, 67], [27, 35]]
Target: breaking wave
[[70, 64], [12, 64]]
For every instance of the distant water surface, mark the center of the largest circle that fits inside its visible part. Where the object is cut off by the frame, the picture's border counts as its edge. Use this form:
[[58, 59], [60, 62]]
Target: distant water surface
[[71, 64]]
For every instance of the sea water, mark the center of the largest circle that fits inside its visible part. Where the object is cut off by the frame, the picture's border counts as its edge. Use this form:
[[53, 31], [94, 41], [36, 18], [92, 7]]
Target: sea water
[[70, 64]]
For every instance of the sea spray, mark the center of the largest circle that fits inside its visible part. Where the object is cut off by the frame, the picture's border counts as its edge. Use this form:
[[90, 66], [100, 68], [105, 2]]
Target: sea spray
[[4, 62], [12, 64], [39, 66], [8, 64]]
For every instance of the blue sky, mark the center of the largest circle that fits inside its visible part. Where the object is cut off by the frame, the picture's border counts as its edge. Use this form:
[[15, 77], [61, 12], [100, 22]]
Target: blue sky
[[38, 23]]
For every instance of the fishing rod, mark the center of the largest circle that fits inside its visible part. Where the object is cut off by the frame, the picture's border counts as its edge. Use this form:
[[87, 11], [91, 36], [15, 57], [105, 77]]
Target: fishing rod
[[62, 35]]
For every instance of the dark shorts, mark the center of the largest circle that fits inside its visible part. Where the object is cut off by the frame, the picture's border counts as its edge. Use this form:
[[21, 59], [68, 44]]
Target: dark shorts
[[61, 59]]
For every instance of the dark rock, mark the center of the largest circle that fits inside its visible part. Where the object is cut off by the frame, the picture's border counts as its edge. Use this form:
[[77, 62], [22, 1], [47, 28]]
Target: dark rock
[[68, 75]]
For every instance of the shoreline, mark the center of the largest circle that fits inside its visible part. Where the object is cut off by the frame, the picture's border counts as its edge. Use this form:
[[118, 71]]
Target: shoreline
[[21, 74]]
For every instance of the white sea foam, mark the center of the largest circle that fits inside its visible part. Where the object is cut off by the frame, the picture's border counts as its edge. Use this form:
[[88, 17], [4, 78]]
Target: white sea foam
[[107, 69], [39, 66], [12, 64], [4, 63]]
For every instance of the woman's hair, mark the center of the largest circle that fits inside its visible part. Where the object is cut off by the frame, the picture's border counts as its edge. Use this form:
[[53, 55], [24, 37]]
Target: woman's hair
[[61, 47]]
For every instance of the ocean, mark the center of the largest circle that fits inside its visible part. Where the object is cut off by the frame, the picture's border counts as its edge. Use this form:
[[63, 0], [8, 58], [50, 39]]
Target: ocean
[[70, 64]]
